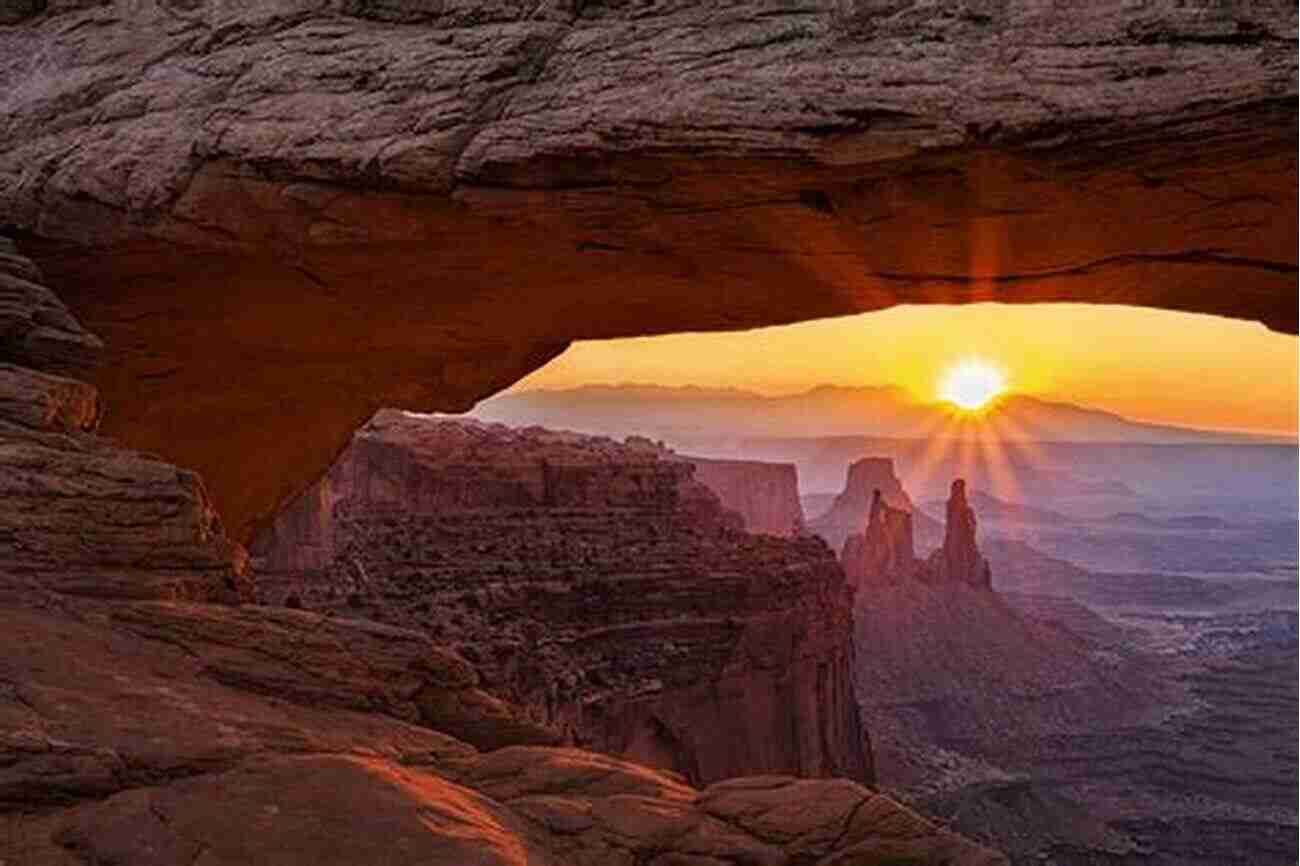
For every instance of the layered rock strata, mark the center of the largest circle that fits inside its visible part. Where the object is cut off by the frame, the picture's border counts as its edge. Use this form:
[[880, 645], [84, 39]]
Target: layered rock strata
[[140, 730], [79, 514], [766, 495], [853, 507], [594, 583]]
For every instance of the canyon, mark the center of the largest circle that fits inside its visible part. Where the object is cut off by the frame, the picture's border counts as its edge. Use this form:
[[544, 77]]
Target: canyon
[[870, 482], [152, 713], [596, 584], [885, 552], [244, 229], [1074, 717]]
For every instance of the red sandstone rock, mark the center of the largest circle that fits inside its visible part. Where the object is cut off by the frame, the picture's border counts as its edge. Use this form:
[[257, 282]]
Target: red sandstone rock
[[227, 226], [852, 508], [766, 495], [43, 402], [960, 556], [79, 514], [36, 328], [884, 554], [594, 583], [161, 733]]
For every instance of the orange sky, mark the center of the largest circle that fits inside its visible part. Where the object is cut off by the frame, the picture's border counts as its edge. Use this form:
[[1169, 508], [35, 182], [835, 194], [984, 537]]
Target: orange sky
[[1154, 365]]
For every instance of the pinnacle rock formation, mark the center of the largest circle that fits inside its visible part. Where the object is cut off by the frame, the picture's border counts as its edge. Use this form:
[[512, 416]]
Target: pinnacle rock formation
[[596, 584], [883, 553], [867, 479], [885, 549], [960, 556]]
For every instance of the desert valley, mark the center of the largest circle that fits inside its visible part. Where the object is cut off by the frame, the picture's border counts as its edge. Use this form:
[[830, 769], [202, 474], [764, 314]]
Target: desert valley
[[756, 433], [1119, 687]]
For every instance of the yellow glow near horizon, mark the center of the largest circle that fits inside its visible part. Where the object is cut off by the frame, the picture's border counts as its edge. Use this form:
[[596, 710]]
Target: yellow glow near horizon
[[971, 384], [1149, 365]]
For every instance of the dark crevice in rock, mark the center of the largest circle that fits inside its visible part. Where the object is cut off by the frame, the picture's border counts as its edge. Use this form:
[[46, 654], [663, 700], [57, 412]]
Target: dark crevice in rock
[[17, 11]]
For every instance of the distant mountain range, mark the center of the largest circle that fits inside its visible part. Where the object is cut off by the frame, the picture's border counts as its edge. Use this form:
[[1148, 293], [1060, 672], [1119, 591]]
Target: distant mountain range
[[690, 414]]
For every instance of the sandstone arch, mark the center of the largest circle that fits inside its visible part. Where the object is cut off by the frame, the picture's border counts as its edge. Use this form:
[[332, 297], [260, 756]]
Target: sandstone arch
[[281, 218]]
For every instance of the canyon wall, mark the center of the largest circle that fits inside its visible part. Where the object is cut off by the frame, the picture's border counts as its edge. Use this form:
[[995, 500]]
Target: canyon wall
[[79, 514], [766, 495], [594, 583]]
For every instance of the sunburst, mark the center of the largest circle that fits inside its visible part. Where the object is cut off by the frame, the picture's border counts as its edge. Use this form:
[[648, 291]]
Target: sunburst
[[972, 384]]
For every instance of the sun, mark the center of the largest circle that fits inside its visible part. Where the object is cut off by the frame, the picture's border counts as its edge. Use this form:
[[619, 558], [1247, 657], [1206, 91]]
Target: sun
[[971, 384]]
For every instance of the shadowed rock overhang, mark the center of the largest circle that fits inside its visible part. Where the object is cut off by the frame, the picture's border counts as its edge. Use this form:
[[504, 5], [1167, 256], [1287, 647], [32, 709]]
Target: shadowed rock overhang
[[282, 217]]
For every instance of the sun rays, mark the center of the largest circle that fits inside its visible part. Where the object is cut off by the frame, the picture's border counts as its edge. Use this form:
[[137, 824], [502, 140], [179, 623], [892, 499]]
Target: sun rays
[[972, 384]]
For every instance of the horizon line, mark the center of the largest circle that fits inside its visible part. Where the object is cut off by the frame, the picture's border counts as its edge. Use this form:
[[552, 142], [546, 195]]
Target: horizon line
[[1292, 436]]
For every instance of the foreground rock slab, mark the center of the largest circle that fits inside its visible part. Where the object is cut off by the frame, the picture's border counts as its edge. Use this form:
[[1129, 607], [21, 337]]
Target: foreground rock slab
[[160, 733]]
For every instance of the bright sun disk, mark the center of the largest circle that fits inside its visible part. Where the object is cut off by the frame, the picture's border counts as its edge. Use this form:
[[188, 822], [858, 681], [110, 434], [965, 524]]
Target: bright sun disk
[[971, 384]]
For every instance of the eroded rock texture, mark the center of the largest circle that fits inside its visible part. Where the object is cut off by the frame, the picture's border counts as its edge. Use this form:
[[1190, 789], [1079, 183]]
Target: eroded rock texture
[[960, 555], [594, 583], [226, 201], [885, 550], [137, 730], [869, 478], [884, 553], [165, 733], [78, 514], [766, 495]]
